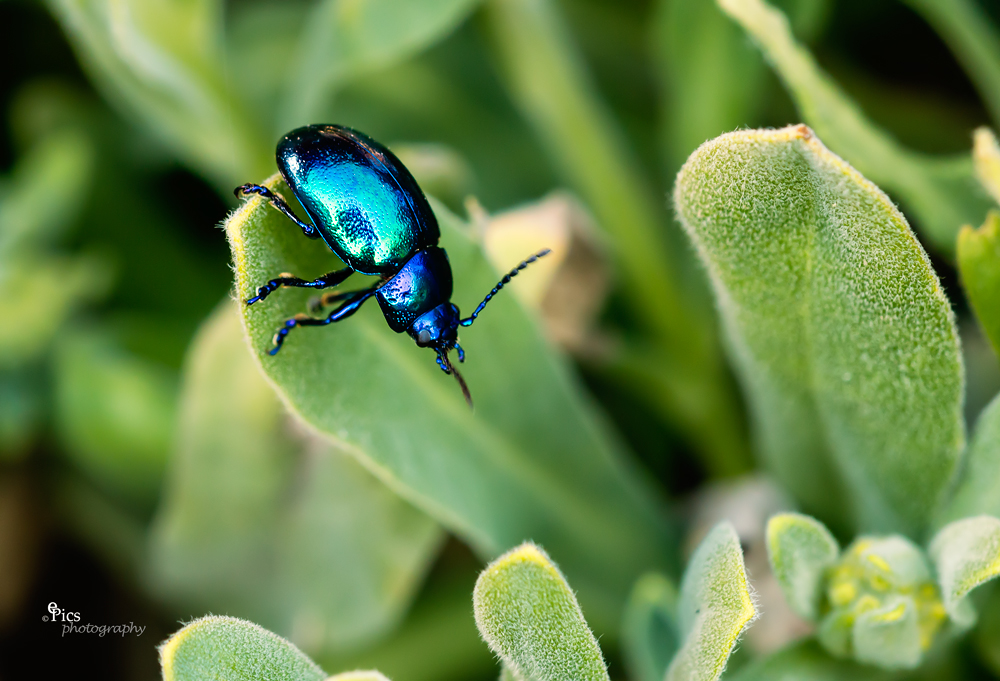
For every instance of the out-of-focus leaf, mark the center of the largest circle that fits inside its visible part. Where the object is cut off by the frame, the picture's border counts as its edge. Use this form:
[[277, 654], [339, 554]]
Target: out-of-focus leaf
[[115, 414], [545, 77], [650, 635], [711, 76], [235, 650], [163, 62], [345, 39], [45, 193], [885, 608], [333, 567], [807, 661], [837, 323], [800, 549], [986, 157], [534, 460], [973, 38], [37, 294], [715, 607], [440, 171], [979, 268], [978, 490], [528, 615], [966, 553], [569, 287], [941, 192], [21, 410]]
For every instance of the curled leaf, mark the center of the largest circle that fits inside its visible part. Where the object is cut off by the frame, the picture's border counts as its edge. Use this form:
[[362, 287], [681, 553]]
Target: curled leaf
[[979, 268], [715, 607], [800, 549], [650, 635], [986, 156]]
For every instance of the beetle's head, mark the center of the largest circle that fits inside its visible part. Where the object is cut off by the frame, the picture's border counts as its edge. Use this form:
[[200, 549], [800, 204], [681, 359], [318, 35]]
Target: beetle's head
[[438, 329]]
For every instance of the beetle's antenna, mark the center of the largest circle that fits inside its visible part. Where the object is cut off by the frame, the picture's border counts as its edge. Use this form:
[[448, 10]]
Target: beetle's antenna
[[450, 369], [503, 282]]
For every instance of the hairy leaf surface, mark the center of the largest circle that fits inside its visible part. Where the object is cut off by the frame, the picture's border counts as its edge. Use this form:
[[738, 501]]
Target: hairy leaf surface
[[528, 615], [800, 549], [715, 607], [966, 553], [838, 325]]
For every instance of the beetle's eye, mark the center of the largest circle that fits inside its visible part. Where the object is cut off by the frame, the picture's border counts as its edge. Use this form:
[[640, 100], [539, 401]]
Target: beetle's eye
[[424, 337]]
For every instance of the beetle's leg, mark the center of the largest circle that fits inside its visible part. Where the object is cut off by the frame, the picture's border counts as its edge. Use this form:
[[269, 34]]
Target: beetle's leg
[[317, 303], [279, 203], [461, 353], [326, 281], [444, 367], [349, 307]]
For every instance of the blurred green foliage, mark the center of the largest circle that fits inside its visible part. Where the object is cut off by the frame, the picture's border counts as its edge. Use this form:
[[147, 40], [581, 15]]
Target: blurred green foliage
[[311, 492]]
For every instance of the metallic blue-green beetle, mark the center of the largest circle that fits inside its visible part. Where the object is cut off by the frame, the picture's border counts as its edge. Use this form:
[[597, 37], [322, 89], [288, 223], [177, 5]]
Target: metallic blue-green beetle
[[371, 213]]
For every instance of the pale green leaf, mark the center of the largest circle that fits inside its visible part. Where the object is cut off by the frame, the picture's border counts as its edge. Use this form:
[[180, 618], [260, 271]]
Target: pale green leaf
[[966, 553], [715, 607], [978, 489], [979, 268], [234, 650], [800, 549], [986, 156], [114, 413], [533, 460], [837, 324], [163, 63], [888, 636], [529, 616], [347, 39], [807, 661], [544, 74], [986, 637], [967, 29], [650, 635], [263, 519], [941, 192]]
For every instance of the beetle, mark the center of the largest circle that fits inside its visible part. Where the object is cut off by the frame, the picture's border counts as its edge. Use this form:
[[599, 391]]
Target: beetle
[[364, 203]]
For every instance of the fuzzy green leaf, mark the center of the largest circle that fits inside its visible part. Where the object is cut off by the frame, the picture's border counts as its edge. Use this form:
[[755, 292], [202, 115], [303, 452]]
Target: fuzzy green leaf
[[163, 62], [650, 635], [966, 553], [345, 39], [528, 615], [800, 549], [359, 675], [979, 268], [533, 460], [715, 607], [942, 193], [265, 520], [234, 650], [837, 324], [888, 636]]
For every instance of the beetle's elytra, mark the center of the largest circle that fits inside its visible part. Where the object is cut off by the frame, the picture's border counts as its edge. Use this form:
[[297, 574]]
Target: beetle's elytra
[[372, 214]]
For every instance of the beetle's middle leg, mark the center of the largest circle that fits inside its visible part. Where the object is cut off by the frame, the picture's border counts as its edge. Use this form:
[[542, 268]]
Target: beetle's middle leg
[[352, 304], [326, 281]]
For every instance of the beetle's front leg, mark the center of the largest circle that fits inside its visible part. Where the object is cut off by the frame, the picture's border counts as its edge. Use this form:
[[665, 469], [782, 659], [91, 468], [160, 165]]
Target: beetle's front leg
[[326, 281], [279, 203]]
